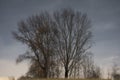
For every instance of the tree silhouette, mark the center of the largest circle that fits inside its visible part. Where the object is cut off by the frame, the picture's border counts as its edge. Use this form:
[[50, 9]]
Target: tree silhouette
[[65, 34], [36, 32], [73, 37]]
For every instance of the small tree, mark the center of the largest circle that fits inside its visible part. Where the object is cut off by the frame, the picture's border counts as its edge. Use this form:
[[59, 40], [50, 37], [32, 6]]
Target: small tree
[[90, 70], [96, 73], [115, 74], [35, 71], [87, 65], [23, 78]]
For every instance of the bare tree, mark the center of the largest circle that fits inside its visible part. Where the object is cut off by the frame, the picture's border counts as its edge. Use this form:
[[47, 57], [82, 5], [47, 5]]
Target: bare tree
[[108, 74], [35, 71], [37, 33], [24, 78], [54, 71], [90, 70], [73, 37], [96, 72], [115, 74], [66, 34], [88, 65], [76, 71]]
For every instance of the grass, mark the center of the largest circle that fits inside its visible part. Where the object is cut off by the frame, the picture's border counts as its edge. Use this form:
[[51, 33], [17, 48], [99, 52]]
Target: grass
[[67, 79]]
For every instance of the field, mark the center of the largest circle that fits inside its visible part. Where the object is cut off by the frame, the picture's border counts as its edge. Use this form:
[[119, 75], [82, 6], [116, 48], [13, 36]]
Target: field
[[67, 79]]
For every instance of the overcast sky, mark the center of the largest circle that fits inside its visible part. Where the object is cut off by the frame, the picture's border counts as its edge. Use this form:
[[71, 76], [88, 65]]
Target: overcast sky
[[104, 15]]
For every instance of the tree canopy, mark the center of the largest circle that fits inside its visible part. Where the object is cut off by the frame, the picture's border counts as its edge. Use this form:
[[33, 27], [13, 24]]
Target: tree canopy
[[64, 36]]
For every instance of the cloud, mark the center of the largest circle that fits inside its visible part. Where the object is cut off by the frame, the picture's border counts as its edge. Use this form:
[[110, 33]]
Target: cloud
[[111, 59]]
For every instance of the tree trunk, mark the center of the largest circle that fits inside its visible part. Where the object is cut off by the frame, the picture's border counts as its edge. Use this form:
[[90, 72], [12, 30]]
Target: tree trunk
[[45, 73], [66, 72]]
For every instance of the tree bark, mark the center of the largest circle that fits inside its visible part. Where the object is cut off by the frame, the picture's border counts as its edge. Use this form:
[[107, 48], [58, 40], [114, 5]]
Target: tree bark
[[45, 73], [66, 72]]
